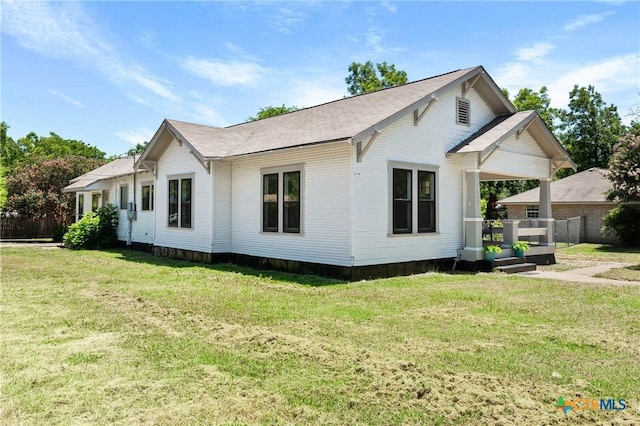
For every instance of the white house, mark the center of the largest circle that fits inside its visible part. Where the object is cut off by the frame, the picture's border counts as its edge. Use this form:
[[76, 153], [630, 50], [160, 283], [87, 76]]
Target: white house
[[385, 183]]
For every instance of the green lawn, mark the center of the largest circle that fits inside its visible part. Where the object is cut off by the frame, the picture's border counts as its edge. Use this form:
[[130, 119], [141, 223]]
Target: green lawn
[[126, 338], [585, 255]]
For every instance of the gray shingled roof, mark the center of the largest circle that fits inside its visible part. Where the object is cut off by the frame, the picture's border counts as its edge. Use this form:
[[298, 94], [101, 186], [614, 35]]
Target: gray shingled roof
[[115, 168], [343, 119], [587, 187], [493, 132]]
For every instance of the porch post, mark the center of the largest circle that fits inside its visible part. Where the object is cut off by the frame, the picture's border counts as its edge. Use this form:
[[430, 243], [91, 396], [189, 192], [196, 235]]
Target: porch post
[[545, 216], [473, 217]]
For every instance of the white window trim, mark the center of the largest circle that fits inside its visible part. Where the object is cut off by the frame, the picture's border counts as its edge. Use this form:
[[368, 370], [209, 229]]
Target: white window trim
[[120, 188], [280, 171], [414, 167], [179, 178], [152, 195], [533, 207]]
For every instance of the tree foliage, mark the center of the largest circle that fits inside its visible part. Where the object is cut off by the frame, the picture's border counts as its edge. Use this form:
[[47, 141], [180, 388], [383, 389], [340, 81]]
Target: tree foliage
[[138, 149], [367, 77], [527, 99], [624, 221], [33, 148], [624, 169], [35, 190], [272, 111], [589, 128]]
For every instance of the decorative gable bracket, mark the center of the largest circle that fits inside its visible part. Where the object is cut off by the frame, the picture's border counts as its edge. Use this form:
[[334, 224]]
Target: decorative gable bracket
[[418, 116], [524, 129], [150, 166], [468, 85], [361, 150]]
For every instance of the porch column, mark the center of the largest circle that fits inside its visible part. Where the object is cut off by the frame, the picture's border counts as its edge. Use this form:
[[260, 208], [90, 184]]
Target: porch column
[[473, 216], [545, 216]]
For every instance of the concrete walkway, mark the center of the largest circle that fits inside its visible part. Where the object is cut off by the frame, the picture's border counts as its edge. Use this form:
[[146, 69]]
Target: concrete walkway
[[583, 275]]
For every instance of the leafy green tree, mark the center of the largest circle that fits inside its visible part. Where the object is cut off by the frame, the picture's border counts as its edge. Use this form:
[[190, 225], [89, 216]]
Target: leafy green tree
[[10, 152], [624, 221], [33, 148], [35, 190], [589, 128], [624, 169], [367, 77], [272, 111], [138, 149], [527, 99]]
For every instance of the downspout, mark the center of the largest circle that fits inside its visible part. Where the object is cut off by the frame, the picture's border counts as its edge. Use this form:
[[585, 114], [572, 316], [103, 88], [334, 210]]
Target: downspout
[[131, 212]]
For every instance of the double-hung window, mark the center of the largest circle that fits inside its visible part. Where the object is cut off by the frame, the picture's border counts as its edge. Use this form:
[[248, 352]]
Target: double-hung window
[[180, 202], [80, 205], [282, 200], [413, 203], [95, 202], [124, 196], [532, 212], [147, 196]]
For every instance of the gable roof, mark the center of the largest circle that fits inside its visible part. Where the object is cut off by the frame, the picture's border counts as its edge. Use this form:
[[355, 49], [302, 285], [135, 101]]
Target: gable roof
[[492, 135], [587, 187], [349, 119], [119, 167]]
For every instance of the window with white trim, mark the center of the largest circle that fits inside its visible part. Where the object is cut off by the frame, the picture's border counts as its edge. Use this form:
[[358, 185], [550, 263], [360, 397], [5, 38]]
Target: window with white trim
[[180, 202], [95, 202], [80, 205], [413, 199], [532, 212], [124, 197], [282, 200], [147, 196]]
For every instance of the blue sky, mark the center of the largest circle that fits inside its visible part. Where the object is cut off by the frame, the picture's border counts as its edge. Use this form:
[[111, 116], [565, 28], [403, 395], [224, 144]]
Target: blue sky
[[109, 72]]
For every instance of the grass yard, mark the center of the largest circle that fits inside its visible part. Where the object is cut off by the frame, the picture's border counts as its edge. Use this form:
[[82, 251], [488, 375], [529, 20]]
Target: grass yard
[[126, 338], [585, 255]]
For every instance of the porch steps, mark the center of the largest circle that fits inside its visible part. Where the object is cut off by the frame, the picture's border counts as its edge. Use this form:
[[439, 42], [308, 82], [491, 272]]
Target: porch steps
[[513, 265]]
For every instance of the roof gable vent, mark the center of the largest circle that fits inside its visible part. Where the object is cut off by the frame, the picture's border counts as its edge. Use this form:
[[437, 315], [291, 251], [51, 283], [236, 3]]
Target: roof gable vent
[[462, 111]]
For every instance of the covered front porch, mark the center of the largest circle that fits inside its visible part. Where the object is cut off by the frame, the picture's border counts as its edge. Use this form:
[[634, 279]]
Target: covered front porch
[[516, 147]]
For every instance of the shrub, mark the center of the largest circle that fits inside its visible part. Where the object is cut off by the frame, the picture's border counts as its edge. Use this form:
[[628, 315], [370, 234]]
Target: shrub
[[59, 230], [624, 221], [95, 229]]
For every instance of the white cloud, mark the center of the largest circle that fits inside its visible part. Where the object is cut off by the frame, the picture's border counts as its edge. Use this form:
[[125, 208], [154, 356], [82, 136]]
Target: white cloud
[[66, 98], [311, 92], [286, 19], [611, 77], [584, 20], [135, 136], [206, 114], [534, 52], [389, 6], [374, 40], [225, 73], [64, 31]]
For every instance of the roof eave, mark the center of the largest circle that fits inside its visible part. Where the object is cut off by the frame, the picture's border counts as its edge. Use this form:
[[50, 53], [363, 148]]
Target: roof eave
[[429, 97]]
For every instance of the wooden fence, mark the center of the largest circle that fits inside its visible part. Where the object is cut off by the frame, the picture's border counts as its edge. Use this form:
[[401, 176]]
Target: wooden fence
[[25, 228]]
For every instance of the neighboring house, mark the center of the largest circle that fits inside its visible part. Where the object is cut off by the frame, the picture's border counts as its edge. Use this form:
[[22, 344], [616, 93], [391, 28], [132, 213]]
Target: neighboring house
[[579, 195], [385, 183]]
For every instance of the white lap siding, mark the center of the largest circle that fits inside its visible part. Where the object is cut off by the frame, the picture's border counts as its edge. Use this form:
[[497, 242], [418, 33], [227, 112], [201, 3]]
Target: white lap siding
[[422, 147], [325, 198], [177, 162]]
